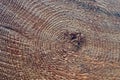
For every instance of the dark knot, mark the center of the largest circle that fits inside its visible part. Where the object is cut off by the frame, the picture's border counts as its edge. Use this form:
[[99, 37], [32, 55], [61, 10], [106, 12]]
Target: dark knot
[[77, 39]]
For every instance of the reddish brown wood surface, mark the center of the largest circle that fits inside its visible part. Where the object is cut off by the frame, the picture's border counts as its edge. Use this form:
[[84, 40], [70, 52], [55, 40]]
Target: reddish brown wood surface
[[59, 40]]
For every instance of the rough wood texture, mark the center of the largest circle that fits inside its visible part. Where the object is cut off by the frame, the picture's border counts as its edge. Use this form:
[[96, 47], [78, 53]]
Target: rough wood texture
[[59, 39]]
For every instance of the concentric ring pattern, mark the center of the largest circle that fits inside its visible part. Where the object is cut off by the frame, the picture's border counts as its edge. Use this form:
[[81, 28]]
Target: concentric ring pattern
[[59, 40]]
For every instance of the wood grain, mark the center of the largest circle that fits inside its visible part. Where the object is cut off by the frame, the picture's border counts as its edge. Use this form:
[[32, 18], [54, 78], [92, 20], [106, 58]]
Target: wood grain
[[59, 40]]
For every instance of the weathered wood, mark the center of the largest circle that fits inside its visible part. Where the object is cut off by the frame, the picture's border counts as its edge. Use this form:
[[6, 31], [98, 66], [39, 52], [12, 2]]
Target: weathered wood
[[59, 40]]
